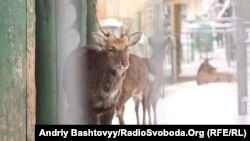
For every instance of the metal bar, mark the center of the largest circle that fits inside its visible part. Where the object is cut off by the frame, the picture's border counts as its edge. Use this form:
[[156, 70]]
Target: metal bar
[[211, 31], [241, 11], [241, 70]]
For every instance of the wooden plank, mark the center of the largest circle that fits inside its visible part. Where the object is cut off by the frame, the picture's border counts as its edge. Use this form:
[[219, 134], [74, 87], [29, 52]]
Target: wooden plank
[[13, 70], [83, 23], [178, 1], [175, 30], [91, 20], [46, 62], [31, 88]]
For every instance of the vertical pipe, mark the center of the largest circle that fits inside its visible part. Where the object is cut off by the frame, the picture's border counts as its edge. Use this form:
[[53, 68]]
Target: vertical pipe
[[241, 59]]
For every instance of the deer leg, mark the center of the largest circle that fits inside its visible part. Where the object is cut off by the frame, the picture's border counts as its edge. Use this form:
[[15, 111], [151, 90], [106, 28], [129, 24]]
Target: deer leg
[[120, 114], [137, 104], [154, 110], [145, 103], [120, 107], [144, 108], [149, 114]]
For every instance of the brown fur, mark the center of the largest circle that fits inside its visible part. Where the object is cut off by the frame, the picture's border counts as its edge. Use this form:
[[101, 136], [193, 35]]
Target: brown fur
[[118, 42], [208, 74], [87, 73], [93, 77], [134, 86]]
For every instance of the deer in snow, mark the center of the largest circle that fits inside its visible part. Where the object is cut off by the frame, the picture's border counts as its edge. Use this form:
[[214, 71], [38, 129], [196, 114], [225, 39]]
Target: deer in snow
[[94, 74], [134, 85], [155, 64], [208, 74]]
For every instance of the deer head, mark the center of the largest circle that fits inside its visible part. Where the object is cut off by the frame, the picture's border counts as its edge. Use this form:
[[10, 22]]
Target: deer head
[[206, 66], [116, 48], [160, 45]]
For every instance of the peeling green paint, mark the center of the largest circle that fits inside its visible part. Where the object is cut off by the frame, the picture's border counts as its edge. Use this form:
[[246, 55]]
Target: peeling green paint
[[13, 70]]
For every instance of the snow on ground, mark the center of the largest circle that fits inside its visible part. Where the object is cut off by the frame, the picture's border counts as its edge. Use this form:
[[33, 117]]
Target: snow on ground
[[188, 103]]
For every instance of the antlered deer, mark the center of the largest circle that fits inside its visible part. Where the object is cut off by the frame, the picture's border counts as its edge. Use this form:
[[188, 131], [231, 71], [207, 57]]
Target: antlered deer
[[94, 76], [155, 66], [134, 85], [207, 74]]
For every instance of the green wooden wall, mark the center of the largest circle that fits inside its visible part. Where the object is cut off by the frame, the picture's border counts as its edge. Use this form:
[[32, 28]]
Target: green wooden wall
[[46, 80], [20, 95], [30, 65], [13, 70], [91, 20]]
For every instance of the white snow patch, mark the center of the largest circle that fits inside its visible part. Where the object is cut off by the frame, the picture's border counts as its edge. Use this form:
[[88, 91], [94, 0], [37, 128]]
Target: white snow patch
[[188, 103]]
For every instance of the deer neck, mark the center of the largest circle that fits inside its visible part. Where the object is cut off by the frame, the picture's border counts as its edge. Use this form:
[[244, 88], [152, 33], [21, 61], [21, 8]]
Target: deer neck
[[109, 77], [159, 58]]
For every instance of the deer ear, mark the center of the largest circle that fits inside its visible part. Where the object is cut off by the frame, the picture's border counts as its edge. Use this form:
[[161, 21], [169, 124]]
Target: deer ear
[[99, 39], [168, 42], [134, 38]]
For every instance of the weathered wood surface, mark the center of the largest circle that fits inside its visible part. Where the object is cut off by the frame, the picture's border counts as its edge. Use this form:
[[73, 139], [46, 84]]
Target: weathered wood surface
[[46, 62], [91, 20], [31, 88], [83, 22], [13, 70]]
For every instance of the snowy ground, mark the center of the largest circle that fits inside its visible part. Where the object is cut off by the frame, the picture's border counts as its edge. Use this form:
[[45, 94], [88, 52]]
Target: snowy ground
[[187, 103]]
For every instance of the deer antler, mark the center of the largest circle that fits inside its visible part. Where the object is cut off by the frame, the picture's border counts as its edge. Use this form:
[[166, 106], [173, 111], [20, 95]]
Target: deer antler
[[122, 28], [126, 33], [105, 33]]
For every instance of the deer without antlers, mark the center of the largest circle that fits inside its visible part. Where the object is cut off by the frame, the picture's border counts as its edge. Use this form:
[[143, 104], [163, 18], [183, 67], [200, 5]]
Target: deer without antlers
[[155, 64], [93, 77], [134, 85], [208, 74]]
